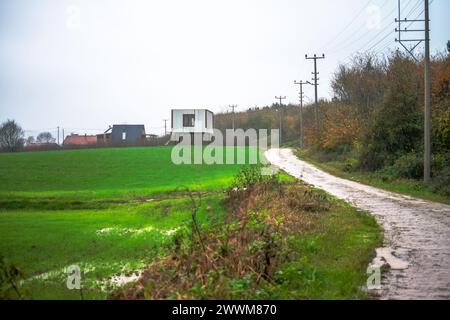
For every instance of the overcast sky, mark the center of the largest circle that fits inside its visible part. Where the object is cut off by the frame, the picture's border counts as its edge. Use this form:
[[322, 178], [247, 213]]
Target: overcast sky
[[85, 64]]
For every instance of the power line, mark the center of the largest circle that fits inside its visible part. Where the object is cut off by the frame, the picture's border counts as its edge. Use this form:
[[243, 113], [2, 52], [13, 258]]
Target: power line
[[372, 42], [165, 126], [419, 15], [427, 124], [345, 44], [301, 96], [399, 30], [351, 38], [380, 41], [414, 8], [315, 79], [233, 107], [347, 26], [374, 38], [427, 84], [410, 12], [387, 44]]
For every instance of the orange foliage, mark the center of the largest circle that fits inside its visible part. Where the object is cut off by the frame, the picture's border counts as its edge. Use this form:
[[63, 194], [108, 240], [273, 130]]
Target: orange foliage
[[339, 127], [441, 81]]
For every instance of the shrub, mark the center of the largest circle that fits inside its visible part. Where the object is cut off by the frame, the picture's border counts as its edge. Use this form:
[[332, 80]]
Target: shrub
[[441, 183], [248, 176], [441, 180], [408, 166]]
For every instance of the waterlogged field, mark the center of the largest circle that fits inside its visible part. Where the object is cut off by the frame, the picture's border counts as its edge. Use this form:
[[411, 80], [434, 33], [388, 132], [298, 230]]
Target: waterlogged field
[[107, 210], [113, 212], [107, 242]]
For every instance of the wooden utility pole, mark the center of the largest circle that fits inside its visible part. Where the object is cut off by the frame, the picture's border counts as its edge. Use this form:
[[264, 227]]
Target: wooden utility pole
[[427, 82], [301, 83], [315, 79], [165, 126], [427, 126], [281, 98], [232, 108]]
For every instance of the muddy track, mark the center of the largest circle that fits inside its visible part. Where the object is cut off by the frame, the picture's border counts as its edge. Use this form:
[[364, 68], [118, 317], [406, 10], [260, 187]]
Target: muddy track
[[417, 232]]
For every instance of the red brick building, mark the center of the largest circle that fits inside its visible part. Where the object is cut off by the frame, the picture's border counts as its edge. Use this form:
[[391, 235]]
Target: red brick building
[[80, 140]]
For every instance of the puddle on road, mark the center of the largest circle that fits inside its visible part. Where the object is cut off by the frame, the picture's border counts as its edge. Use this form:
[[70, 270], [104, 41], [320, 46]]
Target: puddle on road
[[385, 257]]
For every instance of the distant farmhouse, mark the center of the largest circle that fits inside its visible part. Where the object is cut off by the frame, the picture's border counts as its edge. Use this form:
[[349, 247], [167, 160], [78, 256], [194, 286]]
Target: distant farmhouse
[[123, 134], [193, 121], [116, 135], [80, 140]]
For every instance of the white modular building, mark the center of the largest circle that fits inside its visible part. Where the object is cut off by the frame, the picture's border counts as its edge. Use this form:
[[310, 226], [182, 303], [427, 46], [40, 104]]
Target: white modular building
[[194, 121]]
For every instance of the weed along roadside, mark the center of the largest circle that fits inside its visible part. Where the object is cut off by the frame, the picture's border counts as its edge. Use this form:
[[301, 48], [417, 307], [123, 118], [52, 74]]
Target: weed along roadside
[[279, 239]]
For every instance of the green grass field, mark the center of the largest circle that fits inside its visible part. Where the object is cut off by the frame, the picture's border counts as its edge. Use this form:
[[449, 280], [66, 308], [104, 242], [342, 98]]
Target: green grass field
[[104, 173], [54, 207], [105, 242], [111, 211]]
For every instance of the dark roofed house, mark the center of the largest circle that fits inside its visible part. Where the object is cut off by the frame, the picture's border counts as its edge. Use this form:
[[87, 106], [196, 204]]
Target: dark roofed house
[[80, 140], [105, 137], [128, 134]]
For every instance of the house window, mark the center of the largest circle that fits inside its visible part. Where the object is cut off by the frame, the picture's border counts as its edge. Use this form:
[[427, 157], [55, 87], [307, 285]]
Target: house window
[[124, 136], [188, 120]]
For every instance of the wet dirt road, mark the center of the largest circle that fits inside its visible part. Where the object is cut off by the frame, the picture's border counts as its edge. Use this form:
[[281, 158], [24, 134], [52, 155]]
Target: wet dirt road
[[417, 232]]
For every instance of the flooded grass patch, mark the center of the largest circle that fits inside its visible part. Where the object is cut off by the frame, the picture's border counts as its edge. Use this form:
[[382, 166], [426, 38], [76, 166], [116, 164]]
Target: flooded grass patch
[[107, 244], [279, 240]]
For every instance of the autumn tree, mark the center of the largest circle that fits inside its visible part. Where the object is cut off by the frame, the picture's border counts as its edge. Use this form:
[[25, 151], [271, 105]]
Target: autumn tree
[[361, 84], [340, 127], [398, 125]]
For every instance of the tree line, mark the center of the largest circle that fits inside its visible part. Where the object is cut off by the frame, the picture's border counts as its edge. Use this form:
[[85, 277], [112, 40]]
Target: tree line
[[12, 137], [375, 118]]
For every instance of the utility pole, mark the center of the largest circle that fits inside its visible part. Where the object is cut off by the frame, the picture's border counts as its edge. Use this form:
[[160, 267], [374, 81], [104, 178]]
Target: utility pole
[[58, 135], [427, 126], [165, 126], [232, 108], [301, 83], [427, 81], [315, 79], [63, 136], [281, 98]]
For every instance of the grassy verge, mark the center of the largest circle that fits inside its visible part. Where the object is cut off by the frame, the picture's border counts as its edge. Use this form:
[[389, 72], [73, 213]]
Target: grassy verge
[[279, 240], [409, 187]]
